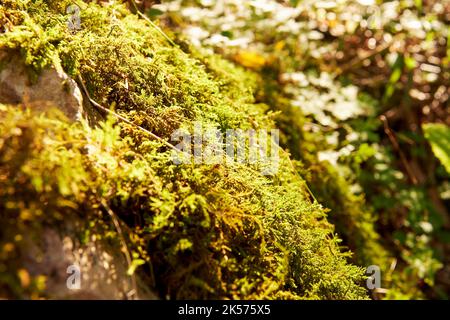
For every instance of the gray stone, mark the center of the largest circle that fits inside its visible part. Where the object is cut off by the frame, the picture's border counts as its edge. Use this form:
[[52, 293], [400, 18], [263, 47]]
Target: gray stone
[[53, 88], [102, 268]]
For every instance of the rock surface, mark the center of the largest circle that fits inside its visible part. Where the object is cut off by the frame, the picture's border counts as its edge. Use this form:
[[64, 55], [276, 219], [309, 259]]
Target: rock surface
[[56, 255], [54, 252], [53, 88]]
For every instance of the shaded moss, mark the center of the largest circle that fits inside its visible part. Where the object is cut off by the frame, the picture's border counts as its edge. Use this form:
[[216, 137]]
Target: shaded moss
[[350, 215]]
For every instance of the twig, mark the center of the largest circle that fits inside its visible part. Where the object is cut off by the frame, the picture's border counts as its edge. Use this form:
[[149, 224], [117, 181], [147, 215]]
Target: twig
[[396, 146], [296, 173], [124, 244], [153, 24], [358, 60], [97, 105], [115, 26]]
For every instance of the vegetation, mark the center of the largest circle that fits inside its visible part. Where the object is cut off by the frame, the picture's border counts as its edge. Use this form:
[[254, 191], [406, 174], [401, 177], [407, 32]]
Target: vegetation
[[354, 81], [360, 97]]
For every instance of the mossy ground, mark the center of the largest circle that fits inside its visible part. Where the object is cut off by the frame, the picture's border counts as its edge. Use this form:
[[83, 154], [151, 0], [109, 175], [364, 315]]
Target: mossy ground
[[202, 231]]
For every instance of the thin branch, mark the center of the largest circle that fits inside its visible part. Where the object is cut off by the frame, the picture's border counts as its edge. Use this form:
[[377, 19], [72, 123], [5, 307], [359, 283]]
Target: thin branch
[[124, 245], [396, 146], [153, 24], [97, 105], [296, 173], [358, 60]]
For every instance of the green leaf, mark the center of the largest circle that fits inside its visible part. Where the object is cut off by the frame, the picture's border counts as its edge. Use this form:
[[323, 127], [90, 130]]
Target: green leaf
[[439, 137], [419, 5], [394, 78], [134, 264], [153, 12]]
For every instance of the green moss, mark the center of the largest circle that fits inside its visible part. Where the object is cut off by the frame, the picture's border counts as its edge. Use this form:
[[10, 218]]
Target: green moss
[[204, 231], [352, 218], [248, 236]]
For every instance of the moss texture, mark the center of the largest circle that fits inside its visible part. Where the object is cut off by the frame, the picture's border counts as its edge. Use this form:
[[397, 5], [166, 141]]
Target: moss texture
[[201, 231]]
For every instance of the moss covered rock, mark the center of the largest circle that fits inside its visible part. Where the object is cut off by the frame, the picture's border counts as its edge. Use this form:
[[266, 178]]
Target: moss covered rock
[[187, 231]]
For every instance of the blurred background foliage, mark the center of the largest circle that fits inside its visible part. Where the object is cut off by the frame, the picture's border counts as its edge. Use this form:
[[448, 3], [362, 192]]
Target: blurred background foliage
[[362, 88]]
